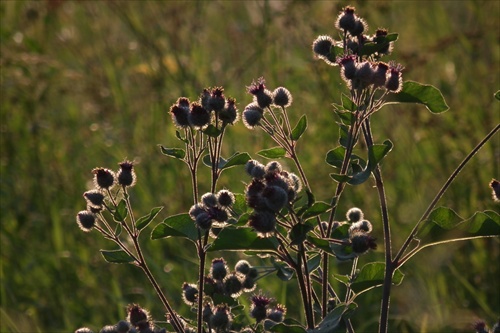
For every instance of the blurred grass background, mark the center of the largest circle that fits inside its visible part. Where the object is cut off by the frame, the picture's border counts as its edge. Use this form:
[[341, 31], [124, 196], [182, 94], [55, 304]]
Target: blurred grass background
[[89, 83]]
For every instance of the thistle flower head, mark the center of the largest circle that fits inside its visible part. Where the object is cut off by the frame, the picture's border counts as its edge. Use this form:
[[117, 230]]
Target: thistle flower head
[[394, 81], [103, 178], [221, 318], [282, 97], [346, 20], [229, 114], [252, 115], [126, 175], [322, 48], [262, 96], [263, 222], [189, 293], [85, 220], [138, 317], [199, 117], [277, 313], [95, 199], [180, 112]]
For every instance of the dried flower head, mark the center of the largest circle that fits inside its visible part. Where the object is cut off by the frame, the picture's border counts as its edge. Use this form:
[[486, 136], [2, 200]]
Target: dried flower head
[[394, 81], [346, 20]]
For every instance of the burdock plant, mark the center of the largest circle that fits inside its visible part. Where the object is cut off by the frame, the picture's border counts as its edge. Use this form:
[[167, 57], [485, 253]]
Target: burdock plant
[[276, 212]]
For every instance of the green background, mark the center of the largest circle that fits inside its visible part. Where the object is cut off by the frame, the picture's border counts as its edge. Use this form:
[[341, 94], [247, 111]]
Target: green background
[[87, 84]]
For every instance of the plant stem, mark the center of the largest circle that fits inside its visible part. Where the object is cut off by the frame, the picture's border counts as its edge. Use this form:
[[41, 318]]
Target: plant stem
[[389, 265], [441, 192]]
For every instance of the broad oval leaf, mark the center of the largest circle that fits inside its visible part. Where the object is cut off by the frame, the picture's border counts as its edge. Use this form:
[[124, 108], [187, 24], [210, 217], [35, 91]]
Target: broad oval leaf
[[485, 223], [372, 275], [275, 152], [335, 157], [332, 320], [236, 159], [116, 256], [143, 222], [242, 239], [299, 129], [180, 225], [173, 152], [319, 243], [414, 92], [316, 209]]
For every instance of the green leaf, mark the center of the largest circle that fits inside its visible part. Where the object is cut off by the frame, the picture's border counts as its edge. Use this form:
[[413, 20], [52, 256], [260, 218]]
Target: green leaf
[[283, 272], [321, 244], [121, 211], [242, 239], [236, 159], [316, 209], [414, 92], [298, 233], [208, 162], [341, 178], [116, 256], [497, 95], [180, 225], [212, 131], [372, 275], [173, 152], [485, 223], [335, 157], [348, 103], [143, 222], [343, 135], [275, 152], [375, 154], [380, 42], [331, 321], [313, 263], [299, 129], [271, 326], [445, 217], [179, 136]]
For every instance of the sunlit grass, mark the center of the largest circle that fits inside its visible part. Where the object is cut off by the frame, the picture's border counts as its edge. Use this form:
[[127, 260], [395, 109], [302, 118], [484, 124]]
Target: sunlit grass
[[87, 84]]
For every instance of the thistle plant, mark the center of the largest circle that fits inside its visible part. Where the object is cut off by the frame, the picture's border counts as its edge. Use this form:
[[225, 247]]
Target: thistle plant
[[276, 212]]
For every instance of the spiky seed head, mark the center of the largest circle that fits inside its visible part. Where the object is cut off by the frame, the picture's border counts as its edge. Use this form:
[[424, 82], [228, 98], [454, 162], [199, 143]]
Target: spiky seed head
[[225, 198], [218, 269], [189, 293], [138, 317], [221, 318], [180, 112], [354, 214], [233, 284], [346, 20], [103, 178], [85, 220], [95, 199], [209, 199], [229, 114], [263, 222], [252, 114], [262, 96], [282, 97], [277, 313], [242, 267], [199, 117], [126, 174]]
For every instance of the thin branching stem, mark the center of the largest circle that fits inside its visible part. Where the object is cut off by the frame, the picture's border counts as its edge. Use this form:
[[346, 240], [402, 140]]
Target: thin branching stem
[[443, 189]]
